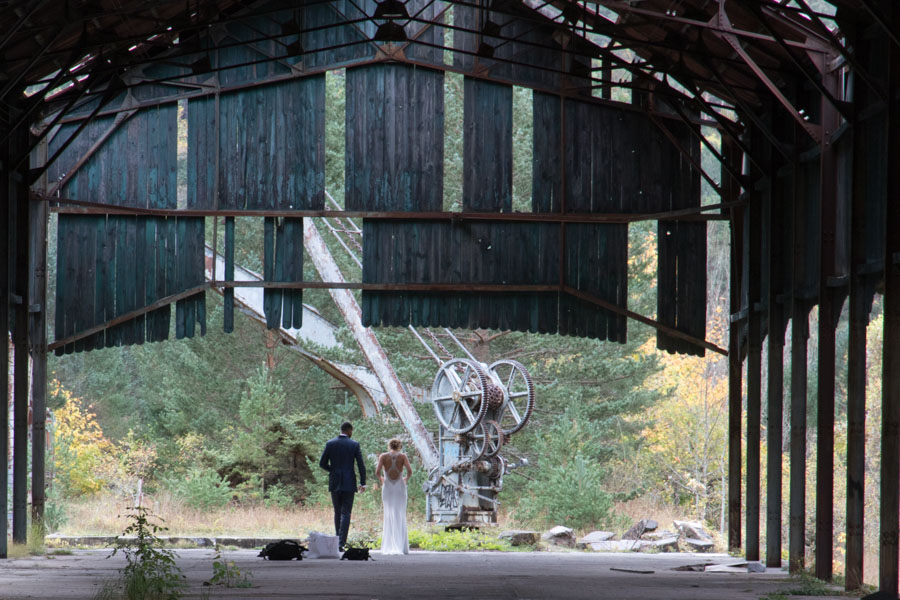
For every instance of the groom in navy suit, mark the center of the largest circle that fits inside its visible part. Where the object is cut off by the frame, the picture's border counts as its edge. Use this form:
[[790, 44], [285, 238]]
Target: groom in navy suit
[[337, 459]]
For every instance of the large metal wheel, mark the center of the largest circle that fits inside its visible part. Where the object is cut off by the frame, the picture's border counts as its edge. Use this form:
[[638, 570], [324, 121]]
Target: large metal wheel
[[518, 402], [458, 395], [487, 439]]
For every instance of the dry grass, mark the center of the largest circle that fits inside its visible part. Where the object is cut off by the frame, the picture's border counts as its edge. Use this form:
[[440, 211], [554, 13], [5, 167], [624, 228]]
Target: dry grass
[[105, 515], [17, 551]]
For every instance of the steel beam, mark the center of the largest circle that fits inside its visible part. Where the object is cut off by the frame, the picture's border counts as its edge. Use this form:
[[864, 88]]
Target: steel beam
[[797, 511], [856, 359], [18, 199], [368, 343], [829, 312], [6, 252], [856, 395], [735, 366], [681, 214], [37, 343], [774, 434], [754, 378], [775, 391], [890, 384]]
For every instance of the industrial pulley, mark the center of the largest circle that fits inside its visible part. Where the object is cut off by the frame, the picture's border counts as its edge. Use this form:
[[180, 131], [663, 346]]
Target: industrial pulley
[[478, 407]]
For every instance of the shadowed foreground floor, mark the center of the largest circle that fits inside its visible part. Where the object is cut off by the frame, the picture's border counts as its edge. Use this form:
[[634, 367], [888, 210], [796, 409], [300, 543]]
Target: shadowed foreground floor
[[520, 575]]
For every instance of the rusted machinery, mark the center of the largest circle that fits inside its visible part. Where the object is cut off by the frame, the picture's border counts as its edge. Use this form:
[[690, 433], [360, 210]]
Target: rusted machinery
[[478, 407]]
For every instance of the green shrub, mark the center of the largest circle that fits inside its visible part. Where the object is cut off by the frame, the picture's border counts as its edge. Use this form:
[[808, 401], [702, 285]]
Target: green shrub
[[571, 495], [279, 496], [455, 540], [201, 488]]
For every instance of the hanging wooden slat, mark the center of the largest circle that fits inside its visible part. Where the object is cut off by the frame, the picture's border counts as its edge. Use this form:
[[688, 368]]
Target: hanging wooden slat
[[268, 143], [394, 138], [487, 146]]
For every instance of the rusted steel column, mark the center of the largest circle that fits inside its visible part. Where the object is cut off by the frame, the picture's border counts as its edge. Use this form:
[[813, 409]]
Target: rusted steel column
[[828, 307], [775, 397], [372, 350], [19, 225], [37, 341], [797, 511], [856, 360], [856, 423], [890, 384], [735, 367], [754, 379], [5, 253]]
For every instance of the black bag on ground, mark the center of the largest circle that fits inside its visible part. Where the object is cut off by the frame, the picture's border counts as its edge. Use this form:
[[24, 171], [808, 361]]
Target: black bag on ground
[[356, 554], [283, 550]]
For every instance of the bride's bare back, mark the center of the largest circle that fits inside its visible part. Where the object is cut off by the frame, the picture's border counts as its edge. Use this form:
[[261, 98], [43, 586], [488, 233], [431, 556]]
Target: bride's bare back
[[393, 464]]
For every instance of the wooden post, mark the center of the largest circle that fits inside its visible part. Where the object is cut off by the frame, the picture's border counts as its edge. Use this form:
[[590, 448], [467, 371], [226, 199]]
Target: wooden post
[[754, 379], [827, 324], [890, 384]]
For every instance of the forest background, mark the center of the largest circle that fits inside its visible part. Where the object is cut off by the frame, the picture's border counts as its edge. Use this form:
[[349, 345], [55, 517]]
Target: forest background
[[224, 431]]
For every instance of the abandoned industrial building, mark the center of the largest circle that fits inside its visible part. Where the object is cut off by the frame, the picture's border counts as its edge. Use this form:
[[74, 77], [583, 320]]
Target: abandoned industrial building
[[804, 99]]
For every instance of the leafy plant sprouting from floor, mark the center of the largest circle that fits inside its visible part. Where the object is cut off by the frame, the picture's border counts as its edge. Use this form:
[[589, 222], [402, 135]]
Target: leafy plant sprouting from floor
[[227, 573], [150, 572]]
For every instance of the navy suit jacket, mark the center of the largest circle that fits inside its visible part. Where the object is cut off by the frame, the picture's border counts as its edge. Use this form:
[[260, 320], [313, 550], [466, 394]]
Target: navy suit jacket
[[337, 459]]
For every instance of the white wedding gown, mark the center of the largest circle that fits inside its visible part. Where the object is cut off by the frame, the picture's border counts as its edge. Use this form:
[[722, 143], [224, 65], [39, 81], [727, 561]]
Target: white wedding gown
[[394, 539]]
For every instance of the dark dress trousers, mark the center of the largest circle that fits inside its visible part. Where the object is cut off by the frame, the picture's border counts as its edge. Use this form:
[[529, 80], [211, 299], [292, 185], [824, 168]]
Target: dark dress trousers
[[337, 459]]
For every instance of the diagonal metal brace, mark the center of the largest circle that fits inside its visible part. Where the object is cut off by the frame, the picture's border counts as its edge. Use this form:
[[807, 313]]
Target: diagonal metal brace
[[814, 131]]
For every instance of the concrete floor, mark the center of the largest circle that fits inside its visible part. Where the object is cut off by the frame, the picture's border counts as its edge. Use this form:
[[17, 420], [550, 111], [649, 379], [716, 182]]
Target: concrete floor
[[520, 575]]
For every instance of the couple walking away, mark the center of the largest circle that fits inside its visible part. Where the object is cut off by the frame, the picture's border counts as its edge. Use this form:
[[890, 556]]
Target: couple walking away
[[338, 458]]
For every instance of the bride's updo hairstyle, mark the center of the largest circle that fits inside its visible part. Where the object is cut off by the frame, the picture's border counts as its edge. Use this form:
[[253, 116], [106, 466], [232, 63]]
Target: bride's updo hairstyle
[[395, 445]]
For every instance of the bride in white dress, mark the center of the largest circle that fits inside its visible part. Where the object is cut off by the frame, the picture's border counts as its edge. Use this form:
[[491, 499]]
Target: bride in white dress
[[391, 464]]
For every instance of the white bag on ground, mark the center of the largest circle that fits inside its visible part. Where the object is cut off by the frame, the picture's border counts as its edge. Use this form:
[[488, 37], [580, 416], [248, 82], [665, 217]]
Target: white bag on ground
[[322, 546]]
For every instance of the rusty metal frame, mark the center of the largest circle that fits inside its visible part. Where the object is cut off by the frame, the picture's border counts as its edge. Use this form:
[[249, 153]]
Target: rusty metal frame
[[849, 57], [620, 7], [686, 214], [684, 152], [814, 131], [127, 316], [841, 106], [345, 286]]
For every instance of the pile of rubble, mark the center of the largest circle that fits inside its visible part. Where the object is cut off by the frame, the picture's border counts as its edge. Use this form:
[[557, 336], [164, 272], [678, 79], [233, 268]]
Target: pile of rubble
[[644, 537]]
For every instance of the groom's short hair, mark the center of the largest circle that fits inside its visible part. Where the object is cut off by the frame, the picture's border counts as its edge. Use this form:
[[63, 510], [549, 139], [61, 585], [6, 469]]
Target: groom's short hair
[[346, 427]]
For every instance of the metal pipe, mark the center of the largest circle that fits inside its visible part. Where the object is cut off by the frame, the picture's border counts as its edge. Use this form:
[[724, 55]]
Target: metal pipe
[[368, 343], [436, 358], [458, 343]]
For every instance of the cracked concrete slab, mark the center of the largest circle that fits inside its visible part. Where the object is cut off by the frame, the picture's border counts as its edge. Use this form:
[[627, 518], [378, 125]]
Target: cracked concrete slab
[[490, 575]]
